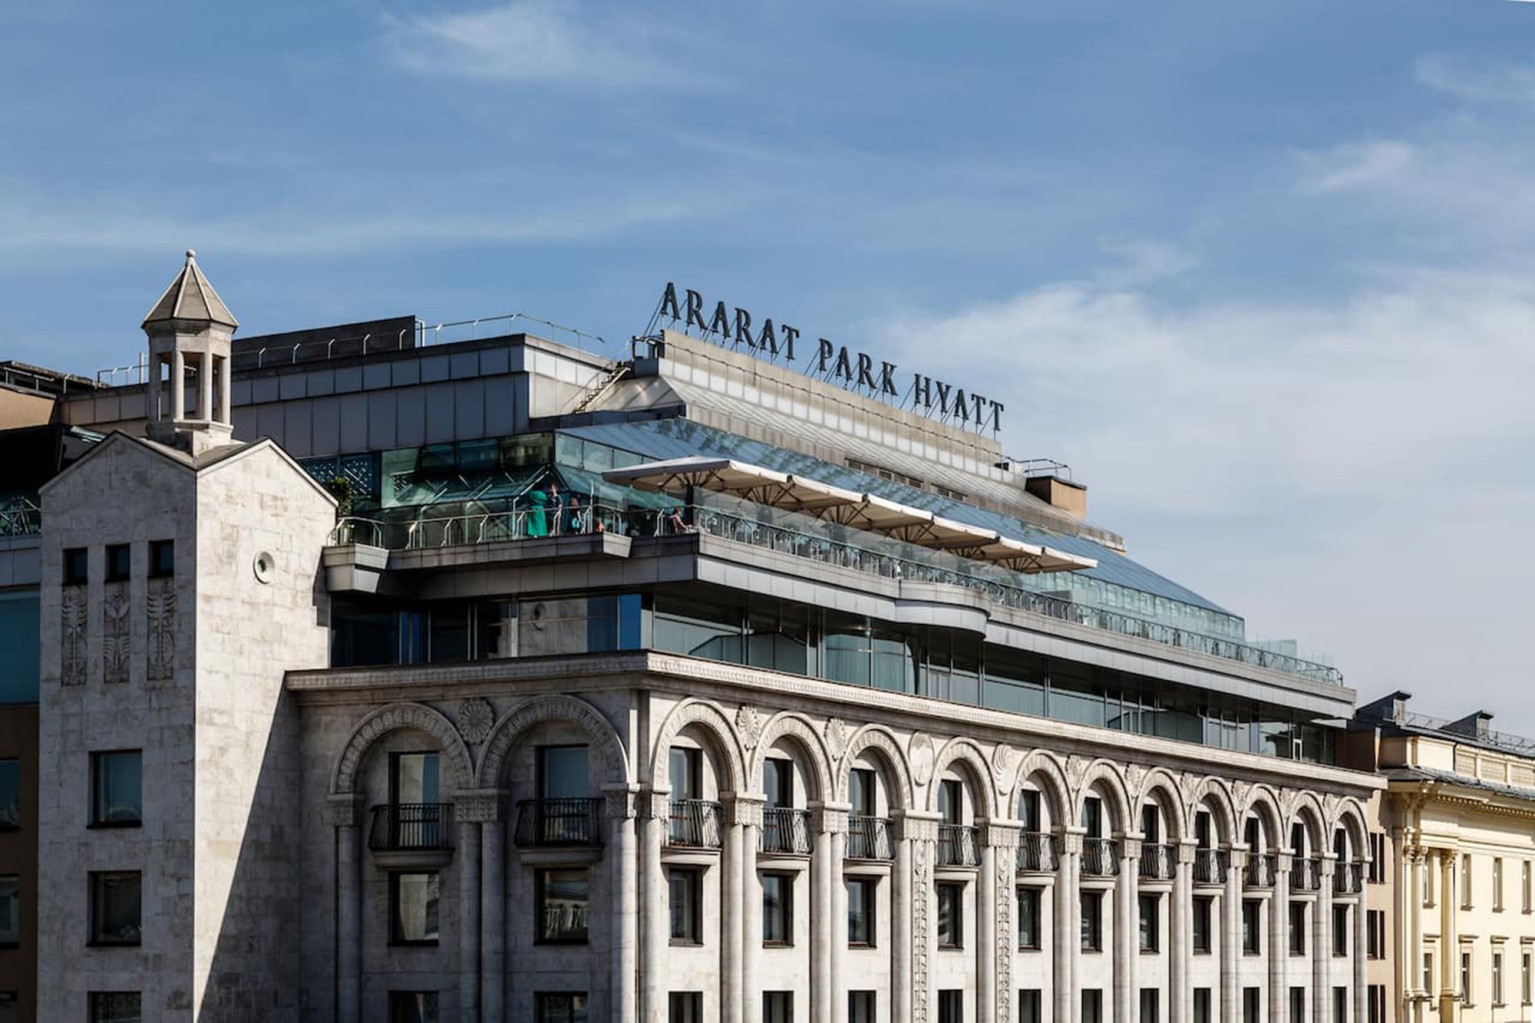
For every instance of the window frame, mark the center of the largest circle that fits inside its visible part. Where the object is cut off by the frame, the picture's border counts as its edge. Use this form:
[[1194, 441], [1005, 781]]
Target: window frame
[[75, 570], [1153, 901], [866, 903], [778, 1007], [954, 893], [396, 931], [862, 1006], [1202, 925], [691, 879], [14, 881], [398, 1011], [1252, 927], [98, 760], [684, 1007], [784, 911], [10, 809], [95, 1008], [1340, 928], [543, 1005], [119, 571], [1092, 921], [541, 883], [1034, 897], [96, 879], [1295, 929], [166, 568]]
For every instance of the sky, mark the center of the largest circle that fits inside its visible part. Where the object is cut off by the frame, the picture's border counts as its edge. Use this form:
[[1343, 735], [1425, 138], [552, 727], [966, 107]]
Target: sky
[[1260, 273]]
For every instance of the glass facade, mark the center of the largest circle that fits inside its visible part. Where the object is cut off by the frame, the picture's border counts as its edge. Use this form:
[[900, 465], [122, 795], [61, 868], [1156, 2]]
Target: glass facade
[[19, 671]]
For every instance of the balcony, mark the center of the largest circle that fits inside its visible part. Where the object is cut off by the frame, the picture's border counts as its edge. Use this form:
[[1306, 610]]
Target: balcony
[[1261, 871], [1211, 866], [868, 838], [785, 831], [695, 824], [957, 846], [411, 827], [1100, 857], [1036, 853], [1348, 878], [1159, 862], [559, 822], [1306, 875]]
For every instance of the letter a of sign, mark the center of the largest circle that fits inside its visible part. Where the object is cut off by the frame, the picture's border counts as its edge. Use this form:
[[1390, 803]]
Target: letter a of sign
[[669, 306]]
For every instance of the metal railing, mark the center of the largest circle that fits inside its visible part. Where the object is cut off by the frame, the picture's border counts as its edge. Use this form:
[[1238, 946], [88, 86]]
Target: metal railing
[[785, 830], [1036, 852], [1159, 861], [868, 838], [20, 516], [404, 827], [559, 822], [1211, 866], [1100, 857], [695, 824], [524, 521], [1306, 875], [957, 846], [1348, 878], [1261, 871]]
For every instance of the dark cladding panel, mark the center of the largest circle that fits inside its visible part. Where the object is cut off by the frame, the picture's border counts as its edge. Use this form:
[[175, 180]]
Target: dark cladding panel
[[294, 386], [469, 409], [495, 360], [322, 381], [244, 419], [410, 418], [501, 414], [406, 372], [439, 412], [327, 426], [348, 379], [264, 389], [434, 368], [270, 420], [297, 434], [354, 422], [382, 433]]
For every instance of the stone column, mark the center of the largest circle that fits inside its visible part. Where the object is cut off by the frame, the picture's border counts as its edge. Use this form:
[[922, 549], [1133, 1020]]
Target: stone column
[[225, 411], [830, 918], [343, 813], [901, 899], [655, 939], [921, 829], [623, 877], [1278, 951], [1410, 926], [1321, 942], [1231, 923], [1357, 952], [1127, 930], [1068, 924], [469, 952], [205, 387], [1181, 931], [746, 820], [986, 942], [493, 917], [178, 385], [1002, 868], [1449, 939]]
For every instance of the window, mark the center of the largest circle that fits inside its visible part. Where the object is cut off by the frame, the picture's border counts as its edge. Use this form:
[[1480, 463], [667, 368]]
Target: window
[[117, 796], [860, 911], [1252, 1001], [10, 1007], [1378, 857], [1204, 911], [1428, 883], [1340, 930], [1202, 1012], [1251, 935], [860, 1007], [10, 794], [115, 907], [778, 783], [777, 909], [119, 562], [1092, 1005], [1524, 884], [564, 901], [1030, 1006], [1092, 817], [162, 562], [1375, 934], [413, 901], [951, 1006], [1297, 1005], [115, 1007], [1377, 1003], [562, 773], [1151, 927], [1465, 881], [1029, 923], [562, 1007], [10, 910], [778, 1007], [684, 887], [1497, 978], [1428, 971], [1340, 1005], [1497, 884], [683, 764], [76, 566], [1524, 978], [685, 1007], [1150, 1005], [951, 801], [1092, 921], [951, 915], [1297, 928], [413, 1007], [1465, 978], [861, 788]]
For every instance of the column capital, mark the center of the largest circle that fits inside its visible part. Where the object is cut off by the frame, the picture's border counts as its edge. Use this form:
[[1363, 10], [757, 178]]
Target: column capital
[[1130, 849], [654, 804], [342, 809], [830, 818], [621, 799], [1187, 850], [917, 825], [1000, 833], [743, 808], [478, 806], [1071, 840]]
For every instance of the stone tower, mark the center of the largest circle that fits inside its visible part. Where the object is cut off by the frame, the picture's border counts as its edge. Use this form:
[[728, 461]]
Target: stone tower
[[189, 328]]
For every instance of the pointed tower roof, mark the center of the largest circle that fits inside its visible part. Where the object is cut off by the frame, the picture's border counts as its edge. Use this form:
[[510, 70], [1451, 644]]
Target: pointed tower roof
[[191, 297]]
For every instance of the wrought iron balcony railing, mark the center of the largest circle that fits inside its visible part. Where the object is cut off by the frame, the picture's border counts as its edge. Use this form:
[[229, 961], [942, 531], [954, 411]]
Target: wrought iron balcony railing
[[785, 830], [408, 827], [1210, 866], [1306, 875], [554, 822], [1036, 852], [695, 824], [868, 838], [1348, 878], [957, 846], [1159, 862], [1261, 870], [1100, 857]]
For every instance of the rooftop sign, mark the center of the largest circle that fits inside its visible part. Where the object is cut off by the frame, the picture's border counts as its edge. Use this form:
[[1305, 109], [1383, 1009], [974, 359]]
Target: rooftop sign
[[855, 371]]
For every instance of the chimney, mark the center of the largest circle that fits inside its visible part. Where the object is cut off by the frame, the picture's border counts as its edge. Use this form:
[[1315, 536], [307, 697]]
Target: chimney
[[1473, 725], [1058, 492], [190, 330]]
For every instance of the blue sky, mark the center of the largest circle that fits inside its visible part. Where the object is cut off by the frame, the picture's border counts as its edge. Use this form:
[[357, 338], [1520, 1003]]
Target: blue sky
[[1260, 272]]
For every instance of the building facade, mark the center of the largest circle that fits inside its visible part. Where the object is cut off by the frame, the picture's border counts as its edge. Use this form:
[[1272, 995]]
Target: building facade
[[494, 679]]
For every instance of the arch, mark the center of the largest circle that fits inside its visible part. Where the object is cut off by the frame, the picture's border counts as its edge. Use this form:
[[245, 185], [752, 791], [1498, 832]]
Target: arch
[[1351, 818], [796, 727], [1263, 803], [713, 722], [1160, 783], [888, 750], [1214, 794], [1306, 809], [553, 707], [393, 718], [1104, 777], [1046, 767], [966, 753]]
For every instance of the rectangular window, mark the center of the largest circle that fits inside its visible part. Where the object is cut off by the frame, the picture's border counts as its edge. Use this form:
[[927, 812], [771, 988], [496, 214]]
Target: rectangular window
[[1428, 971], [1202, 1001], [1378, 858], [684, 888], [1029, 923], [1375, 933], [1092, 1005], [1465, 978], [1377, 1003], [1031, 1007], [951, 915], [1340, 930], [119, 562], [860, 792], [951, 801], [413, 1007], [778, 783], [1252, 1002], [1204, 912], [1297, 928], [1497, 978], [951, 1006], [1428, 883], [1465, 881], [1151, 923], [115, 907], [162, 559], [861, 1007], [10, 794], [1524, 884], [10, 1007], [1092, 817], [562, 772], [1252, 911], [683, 764], [778, 909], [1151, 1008], [1092, 921], [117, 789], [685, 1007], [560, 1007], [1524, 978], [10, 910], [413, 905], [1497, 884], [564, 902], [1297, 1005], [1340, 1005], [115, 1007], [778, 1007], [860, 911], [76, 566]]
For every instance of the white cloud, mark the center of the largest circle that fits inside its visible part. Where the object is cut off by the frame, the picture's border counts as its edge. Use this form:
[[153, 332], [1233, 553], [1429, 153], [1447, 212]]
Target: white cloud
[[1477, 82], [1353, 165]]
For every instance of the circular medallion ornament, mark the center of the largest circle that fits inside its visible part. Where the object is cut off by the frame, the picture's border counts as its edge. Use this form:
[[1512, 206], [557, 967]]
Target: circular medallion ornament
[[475, 718]]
